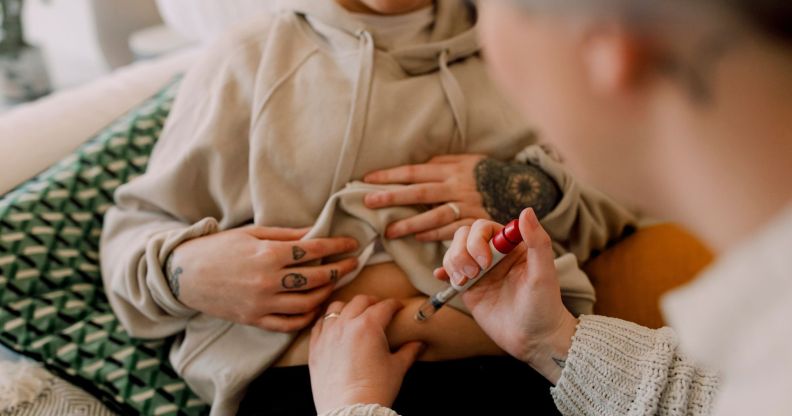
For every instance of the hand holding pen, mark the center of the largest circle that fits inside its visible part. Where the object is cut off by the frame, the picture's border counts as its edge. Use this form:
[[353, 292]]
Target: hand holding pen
[[518, 302], [500, 245]]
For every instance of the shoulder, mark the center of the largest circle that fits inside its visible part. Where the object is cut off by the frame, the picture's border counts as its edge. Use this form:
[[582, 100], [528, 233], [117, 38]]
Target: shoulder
[[250, 33], [238, 52]]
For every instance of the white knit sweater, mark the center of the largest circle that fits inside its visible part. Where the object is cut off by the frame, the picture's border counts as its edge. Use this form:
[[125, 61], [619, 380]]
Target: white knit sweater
[[620, 368]]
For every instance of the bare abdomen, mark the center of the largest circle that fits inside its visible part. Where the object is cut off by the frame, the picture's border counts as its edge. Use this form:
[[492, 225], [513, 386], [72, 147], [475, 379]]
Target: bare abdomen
[[450, 334]]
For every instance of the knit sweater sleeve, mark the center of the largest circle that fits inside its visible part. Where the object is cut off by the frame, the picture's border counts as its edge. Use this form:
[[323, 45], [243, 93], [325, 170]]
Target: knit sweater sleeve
[[361, 410], [620, 368]]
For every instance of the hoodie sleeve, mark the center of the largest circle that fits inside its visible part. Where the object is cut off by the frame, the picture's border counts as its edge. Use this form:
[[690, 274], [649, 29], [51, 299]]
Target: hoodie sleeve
[[581, 220], [195, 184], [585, 220]]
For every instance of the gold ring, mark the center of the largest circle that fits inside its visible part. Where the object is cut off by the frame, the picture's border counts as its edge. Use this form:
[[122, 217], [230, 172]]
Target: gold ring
[[455, 208], [331, 315]]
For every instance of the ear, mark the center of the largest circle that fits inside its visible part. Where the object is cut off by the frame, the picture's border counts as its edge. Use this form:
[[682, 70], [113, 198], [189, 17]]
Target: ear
[[614, 58]]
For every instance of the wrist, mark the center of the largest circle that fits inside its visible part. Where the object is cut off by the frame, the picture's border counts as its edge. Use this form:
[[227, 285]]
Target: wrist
[[548, 357]]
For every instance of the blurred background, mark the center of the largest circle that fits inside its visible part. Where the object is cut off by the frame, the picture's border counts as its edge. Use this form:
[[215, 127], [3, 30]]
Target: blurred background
[[50, 45]]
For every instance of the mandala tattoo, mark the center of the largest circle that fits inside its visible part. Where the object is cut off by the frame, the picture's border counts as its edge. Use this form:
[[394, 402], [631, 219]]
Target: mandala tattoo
[[559, 362], [173, 273], [294, 281], [334, 275], [298, 253], [509, 187]]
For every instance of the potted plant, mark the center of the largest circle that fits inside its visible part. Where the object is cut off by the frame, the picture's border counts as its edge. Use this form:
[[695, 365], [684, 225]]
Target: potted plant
[[23, 74]]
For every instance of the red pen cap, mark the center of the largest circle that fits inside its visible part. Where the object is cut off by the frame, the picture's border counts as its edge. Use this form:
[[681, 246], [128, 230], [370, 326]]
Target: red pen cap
[[509, 237]]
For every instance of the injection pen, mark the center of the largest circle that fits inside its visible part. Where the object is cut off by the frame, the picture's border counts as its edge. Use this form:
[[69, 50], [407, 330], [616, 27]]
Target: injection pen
[[500, 245]]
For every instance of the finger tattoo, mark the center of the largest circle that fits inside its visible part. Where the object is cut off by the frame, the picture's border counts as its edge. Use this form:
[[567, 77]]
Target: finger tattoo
[[294, 281], [298, 253], [334, 275]]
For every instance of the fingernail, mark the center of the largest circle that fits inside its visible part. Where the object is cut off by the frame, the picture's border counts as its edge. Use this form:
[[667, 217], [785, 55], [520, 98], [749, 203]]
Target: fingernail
[[482, 261], [456, 277], [470, 271], [532, 220]]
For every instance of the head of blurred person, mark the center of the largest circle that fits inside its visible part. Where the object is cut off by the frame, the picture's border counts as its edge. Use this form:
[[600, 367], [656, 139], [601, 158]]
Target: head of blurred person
[[384, 7], [682, 108]]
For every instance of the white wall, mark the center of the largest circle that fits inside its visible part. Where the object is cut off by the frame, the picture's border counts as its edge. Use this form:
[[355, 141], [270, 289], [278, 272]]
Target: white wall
[[84, 39], [65, 30]]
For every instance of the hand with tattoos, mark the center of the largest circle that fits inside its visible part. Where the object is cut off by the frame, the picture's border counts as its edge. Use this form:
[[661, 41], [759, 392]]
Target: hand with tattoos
[[518, 303], [461, 189], [258, 275]]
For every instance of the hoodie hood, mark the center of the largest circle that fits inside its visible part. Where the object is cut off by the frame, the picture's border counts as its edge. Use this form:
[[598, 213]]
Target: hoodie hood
[[452, 38], [453, 32]]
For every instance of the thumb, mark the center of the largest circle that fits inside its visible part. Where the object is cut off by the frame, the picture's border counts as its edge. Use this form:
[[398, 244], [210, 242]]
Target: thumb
[[408, 353], [538, 243]]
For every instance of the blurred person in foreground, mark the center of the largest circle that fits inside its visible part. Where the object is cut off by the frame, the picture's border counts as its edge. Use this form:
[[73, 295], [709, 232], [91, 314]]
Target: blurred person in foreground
[[697, 97]]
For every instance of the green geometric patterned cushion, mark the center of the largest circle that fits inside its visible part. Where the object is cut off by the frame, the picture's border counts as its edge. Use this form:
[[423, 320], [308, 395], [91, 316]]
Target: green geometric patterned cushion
[[53, 308]]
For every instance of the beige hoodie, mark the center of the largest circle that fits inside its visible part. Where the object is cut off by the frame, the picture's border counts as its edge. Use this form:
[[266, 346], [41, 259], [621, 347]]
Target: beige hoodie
[[271, 126]]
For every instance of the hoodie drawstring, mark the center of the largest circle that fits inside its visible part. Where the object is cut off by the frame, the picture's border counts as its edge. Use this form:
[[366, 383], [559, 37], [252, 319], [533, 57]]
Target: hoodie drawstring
[[356, 124], [455, 97]]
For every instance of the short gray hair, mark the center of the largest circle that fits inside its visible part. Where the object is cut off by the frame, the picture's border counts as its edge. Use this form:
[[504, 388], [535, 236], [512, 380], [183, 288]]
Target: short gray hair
[[770, 17]]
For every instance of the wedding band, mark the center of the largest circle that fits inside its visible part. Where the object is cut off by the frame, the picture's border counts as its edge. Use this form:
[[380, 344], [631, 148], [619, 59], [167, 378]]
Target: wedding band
[[331, 315], [455, 208]]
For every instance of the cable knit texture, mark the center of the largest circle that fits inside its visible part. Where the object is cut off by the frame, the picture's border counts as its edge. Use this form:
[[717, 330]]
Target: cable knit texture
[[361, 410], [620, 368]]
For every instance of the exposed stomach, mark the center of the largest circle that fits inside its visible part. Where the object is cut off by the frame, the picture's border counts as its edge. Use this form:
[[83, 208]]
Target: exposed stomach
[[449, 334]]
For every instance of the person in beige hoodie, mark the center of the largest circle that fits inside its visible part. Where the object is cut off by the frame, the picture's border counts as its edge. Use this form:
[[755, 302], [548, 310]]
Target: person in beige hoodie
[[271, 133]]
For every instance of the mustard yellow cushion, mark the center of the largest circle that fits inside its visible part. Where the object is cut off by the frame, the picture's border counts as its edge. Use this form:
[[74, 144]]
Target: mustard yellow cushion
[[631, 277]]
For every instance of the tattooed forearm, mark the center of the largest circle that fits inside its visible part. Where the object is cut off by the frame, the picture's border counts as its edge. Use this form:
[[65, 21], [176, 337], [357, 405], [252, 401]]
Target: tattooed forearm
[[510, 187], [173, 273], [298, 253], [294, 281]]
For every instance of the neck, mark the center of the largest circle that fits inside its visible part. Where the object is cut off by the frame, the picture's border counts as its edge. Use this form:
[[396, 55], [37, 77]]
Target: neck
[[728, 170]]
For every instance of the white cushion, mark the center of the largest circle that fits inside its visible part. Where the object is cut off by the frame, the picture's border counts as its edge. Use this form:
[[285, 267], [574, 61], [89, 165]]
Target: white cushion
[[202, 20], [36, 135]]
